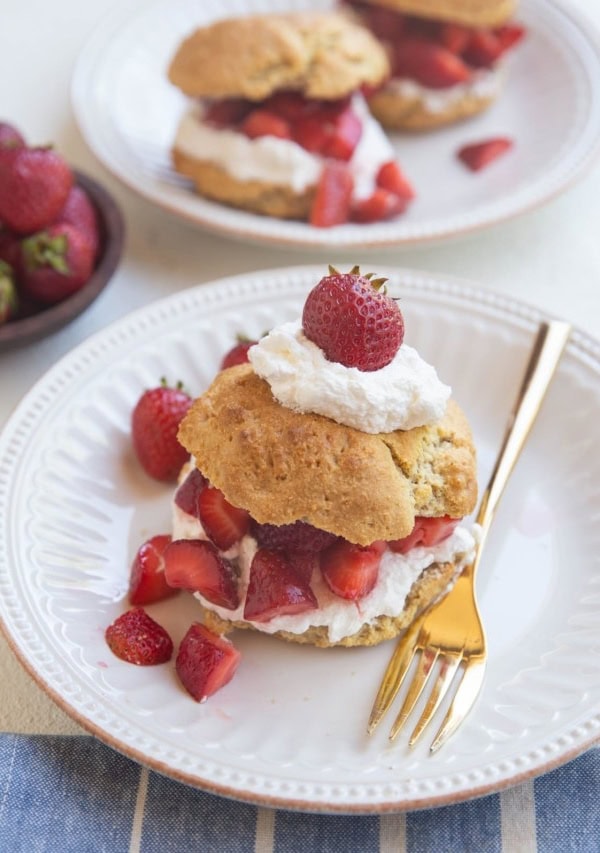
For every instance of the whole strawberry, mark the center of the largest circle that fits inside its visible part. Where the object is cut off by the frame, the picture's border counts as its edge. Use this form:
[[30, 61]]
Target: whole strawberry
[[238, 354], [80, 213], [10, 137], [136, 638], [8, 293], [55, 263], [353, 321], [34, 185], [154, 424], [10, 248]]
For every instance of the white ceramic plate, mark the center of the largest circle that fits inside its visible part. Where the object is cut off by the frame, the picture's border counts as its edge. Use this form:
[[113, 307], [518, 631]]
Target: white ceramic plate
[[290, 728], [128, 113]]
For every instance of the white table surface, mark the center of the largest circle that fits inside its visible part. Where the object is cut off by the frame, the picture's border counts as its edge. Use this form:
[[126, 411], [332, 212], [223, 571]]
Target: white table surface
[[549, 257]]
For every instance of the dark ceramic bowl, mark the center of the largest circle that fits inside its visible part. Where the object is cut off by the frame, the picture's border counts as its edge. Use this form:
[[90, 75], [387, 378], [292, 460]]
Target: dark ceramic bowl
[[49, 319]]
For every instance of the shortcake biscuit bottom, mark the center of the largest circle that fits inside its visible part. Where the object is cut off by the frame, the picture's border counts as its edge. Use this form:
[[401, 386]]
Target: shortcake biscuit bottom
[[397, 110]]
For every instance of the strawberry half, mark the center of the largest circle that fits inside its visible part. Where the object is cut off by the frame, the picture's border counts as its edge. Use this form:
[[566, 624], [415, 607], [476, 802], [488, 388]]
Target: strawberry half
[[333, 197], [429, 64], [350, 571], [205, 662], [264, 123], [275, 588], [381, 205], [427, 532], [136, 638], [478, 155], [147, 580], [186, 496], [390, 177], [223, 523], [197, 566]]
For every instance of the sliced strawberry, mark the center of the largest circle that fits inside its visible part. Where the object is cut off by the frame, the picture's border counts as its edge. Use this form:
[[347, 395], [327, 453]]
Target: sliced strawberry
[[429, 64], [344, 137], [303, 563], [509, 35], [478, 155], [205, 662], [454, 37], [147, 580], [186, 496], [197, 566], [378, 206], [427, 532], [289, 105], [224, 523], [264, 123], [228, 112], [333, 198], [136, 638], [483, 50], [390, 177], [311, 133], [298, 536], [350, 571], [275, 588]]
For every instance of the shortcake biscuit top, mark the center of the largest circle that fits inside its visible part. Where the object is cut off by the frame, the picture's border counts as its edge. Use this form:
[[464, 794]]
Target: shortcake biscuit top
[[321, 55], [471, 13], [283, 466]]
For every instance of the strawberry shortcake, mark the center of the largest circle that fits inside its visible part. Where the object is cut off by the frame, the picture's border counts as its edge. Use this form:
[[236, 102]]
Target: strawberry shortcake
[[447, 59], [329, 479], [278, 124]]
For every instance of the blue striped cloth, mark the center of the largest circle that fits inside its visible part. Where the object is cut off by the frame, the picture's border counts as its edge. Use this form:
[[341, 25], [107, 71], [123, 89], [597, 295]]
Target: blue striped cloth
[[75, 794]]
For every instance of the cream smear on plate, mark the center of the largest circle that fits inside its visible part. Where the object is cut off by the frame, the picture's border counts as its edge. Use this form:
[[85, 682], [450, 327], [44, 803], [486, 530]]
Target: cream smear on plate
[[402, 395], [397, 573], [282, 161]]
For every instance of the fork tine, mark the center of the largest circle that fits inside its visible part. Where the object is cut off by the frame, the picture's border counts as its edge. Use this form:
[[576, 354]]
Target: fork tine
[[394, 675], [426, 662], [463, 701], [449, 665]]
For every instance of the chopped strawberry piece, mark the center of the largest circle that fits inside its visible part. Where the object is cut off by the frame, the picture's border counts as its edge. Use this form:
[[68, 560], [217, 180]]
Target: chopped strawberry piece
[[147, 579], [197, 566], [303, 563], [333, 198], [275, 588], [186, 496], [350, 571], [427, 532], [264, 123], [289, 105], [224, 523], [136, 638], [429, 64], [205, 662], [298, 536], [509, 35], [311, 133], [381, 205], [227, 113], [480, 154], [483, 50], [238, 354], [345, 135], [454, 37], [390, 177]]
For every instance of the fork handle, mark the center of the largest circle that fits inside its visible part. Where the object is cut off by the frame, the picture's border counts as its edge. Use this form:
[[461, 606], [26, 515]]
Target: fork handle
[[548, 347]]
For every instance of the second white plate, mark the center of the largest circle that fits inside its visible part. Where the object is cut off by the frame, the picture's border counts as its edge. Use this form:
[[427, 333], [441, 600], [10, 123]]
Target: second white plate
[[290, 729], [128, 113]]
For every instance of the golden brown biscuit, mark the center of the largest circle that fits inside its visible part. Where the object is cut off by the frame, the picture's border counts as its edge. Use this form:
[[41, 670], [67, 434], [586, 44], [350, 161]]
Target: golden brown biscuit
[[321, 55], [283, 466], [431, 584], [398, 110], [472, 13], [216, 183]]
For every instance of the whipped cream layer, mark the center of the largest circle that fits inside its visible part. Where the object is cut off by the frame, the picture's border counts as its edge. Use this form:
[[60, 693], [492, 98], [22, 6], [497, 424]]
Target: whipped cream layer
[[282, 161], [484, 83], [397, 573], [404, 394]]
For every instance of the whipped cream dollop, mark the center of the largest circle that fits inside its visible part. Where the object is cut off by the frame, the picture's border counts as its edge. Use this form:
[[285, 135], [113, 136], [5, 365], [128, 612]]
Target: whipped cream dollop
[[282, 161], [404, 394], [397, 573], [483, 83]]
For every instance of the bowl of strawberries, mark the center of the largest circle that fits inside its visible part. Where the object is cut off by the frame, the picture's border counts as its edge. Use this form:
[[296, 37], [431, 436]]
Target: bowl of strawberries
[[61, 237]]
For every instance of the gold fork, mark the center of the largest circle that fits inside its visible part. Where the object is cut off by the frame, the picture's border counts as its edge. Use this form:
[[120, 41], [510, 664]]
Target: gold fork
[[451, 631]]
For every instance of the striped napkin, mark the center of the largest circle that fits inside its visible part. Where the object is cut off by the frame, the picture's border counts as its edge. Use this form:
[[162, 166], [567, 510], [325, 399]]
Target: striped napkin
[[72, 793]]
